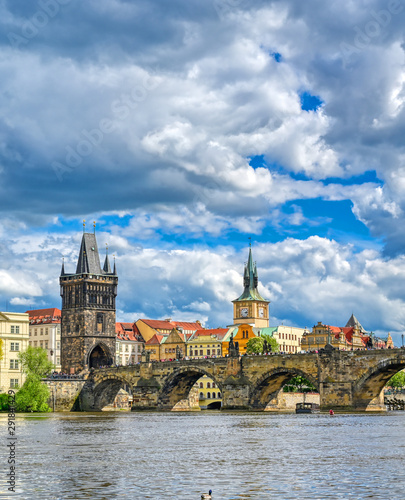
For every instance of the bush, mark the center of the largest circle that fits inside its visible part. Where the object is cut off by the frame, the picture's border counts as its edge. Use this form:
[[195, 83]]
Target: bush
[[4, 406]]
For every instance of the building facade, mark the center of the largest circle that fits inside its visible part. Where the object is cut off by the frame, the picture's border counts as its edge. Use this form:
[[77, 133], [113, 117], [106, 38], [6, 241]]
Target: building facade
[[288, 338], [88, 311], [129, 344], [14, 335], [206, 343], [251, 307], [44, 332]]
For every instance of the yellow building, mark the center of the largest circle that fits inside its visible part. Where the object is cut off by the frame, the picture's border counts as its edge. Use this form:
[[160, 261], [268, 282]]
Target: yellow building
[[210, 396], [251, 307], [351, 336], [14, 333], [206, 343]]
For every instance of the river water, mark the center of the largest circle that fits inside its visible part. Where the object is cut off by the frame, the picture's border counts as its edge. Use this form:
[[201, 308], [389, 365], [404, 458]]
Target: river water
[[181, 455]]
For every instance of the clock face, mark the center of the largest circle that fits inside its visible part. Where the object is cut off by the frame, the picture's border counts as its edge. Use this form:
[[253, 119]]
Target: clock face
[[261, 312], [244, 312]]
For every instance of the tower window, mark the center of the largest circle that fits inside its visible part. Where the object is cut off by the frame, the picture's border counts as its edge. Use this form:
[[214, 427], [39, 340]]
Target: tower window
[[100, 322]]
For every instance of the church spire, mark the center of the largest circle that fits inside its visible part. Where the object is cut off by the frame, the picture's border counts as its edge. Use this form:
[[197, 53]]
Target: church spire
[[250, 280]]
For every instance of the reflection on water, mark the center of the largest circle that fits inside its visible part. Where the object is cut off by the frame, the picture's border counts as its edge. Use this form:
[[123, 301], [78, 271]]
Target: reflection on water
[[181, 455]]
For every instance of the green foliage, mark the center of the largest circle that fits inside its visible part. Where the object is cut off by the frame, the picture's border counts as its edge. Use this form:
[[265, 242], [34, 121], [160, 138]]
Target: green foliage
[[4, 406], [35, 361], [255, 345], [398, 380], [33, 395], [299, 384], [272, 342]]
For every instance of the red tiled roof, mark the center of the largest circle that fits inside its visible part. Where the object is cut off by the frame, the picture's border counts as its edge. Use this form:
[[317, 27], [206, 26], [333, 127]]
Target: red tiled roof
[[158, 324], [156, 339], [219, 332], [44, 316], [124, 331]]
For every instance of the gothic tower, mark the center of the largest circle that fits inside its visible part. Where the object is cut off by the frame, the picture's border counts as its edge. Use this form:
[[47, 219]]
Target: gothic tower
[[88, 310], [251, 307]]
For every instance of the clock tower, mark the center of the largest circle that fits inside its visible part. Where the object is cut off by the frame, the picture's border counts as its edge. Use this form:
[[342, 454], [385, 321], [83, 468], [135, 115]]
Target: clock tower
[[251, 307]]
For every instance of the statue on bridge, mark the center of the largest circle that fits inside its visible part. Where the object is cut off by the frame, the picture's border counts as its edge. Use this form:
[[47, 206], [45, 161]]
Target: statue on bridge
[[233, 350], [179, 353], [145, 355]]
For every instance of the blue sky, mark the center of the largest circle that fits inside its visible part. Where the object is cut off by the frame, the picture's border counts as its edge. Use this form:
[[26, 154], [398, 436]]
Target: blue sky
[[186, 128]]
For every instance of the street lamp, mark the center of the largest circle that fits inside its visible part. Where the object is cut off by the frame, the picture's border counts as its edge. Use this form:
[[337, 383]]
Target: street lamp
[[402, 336]]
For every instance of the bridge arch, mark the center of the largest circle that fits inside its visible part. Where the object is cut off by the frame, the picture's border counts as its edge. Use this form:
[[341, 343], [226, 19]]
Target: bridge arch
[[368, 387], [106, 388], [269, 384], [179, 383]]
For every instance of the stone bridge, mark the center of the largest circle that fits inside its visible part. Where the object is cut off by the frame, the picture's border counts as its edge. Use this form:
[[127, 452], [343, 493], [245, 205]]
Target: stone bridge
[[346, 380]]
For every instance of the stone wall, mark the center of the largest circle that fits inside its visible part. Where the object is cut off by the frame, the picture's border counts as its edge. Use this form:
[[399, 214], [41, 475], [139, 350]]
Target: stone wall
[[64, 394], [287, 401]]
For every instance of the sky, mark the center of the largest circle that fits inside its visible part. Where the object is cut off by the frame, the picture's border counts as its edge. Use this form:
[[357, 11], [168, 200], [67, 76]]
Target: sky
[[183, 129]]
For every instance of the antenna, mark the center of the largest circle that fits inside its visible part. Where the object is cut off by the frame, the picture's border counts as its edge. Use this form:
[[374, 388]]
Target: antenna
[[250, 242]]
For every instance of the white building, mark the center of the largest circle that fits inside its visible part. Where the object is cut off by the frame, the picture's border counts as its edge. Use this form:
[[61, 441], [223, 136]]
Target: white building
[[129, 344], [45, 332], [14, 336]]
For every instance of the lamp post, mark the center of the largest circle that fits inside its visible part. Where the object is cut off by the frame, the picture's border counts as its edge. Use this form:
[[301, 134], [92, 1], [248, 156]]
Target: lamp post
[[402, 336]]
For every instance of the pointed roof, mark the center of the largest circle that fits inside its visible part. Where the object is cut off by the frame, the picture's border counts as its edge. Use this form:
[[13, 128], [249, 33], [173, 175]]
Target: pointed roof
[[250, 281], [89, 260], [355, 323], [107, 267]]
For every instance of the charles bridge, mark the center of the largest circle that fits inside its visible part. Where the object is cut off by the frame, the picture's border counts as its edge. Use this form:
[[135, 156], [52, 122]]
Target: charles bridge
[[346, 380]]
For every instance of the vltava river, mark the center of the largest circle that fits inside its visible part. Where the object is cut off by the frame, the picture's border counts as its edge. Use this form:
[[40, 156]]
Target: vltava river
[[181, 455]]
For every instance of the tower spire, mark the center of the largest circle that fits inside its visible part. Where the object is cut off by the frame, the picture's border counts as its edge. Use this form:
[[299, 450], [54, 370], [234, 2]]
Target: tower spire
[[106, 267], [62, 273]]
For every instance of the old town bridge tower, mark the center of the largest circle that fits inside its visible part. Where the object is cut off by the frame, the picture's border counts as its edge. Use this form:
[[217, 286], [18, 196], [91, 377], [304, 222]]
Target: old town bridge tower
[[88, 310]]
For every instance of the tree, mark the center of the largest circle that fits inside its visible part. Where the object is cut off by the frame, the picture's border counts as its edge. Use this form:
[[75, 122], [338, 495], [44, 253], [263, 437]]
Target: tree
[[33, 395], [255, 345], [34, 361], [299, 384], [272, 342], [398, 380]]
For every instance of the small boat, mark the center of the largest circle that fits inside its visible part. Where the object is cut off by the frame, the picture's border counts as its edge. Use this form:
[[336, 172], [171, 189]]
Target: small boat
[[306, 408]]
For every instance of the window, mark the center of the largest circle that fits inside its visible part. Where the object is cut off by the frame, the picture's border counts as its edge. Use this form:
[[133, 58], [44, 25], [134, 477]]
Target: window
[[201, 395], [208, 352], [35, 332], [218, 351], [126, 348], [201, 385], [14, 346], [42, 343], [219, 394], [30, 333], [201, 352], [58, 345], [35, 343], [208, 385], [42, 331], [213, 384], [58, 361], [208, 395], [15, 329], [13, 364], [14, 382], [30, 343], [213, 395], [166, 350]]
